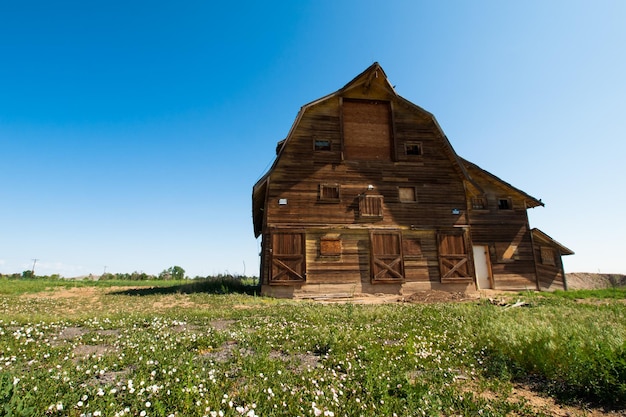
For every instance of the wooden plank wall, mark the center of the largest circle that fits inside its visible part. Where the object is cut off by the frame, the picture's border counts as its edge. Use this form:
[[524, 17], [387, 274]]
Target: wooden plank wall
[[507, 235], [551, 276], [350, 272], [300, 171]]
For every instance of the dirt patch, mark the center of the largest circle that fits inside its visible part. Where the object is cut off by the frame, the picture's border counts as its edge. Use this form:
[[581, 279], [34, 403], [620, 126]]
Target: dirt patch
[[167, 302], [437, 296], [86, 351], [590, 281], [542, 404], [70, 333], [301, 361], [226, 352], [221, 324], [547, 405]]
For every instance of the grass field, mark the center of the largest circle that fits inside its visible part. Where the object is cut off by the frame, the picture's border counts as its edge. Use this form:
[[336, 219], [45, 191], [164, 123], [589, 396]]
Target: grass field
[[175, 348]]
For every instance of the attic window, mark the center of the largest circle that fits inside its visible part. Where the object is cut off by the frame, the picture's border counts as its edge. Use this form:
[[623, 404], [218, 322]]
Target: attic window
[[371, 206], [407, 194], [504, 204], [478, 203], [413, 148], [329, 192], [322, 145]]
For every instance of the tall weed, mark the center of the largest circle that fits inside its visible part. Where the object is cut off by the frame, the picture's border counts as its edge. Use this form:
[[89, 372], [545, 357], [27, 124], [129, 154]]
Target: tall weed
[[575, 351]]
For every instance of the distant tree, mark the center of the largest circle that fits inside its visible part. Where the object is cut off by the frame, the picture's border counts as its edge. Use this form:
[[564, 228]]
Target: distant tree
[[28, 274], [178, 272], [173, 272]]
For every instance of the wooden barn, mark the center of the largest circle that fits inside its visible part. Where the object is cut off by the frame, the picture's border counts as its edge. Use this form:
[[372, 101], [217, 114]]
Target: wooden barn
[[367, 195]]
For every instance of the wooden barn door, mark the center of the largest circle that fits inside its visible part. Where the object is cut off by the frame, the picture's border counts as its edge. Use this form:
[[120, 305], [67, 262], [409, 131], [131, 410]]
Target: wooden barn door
[[453, 258], [288, 260], [386, 258]]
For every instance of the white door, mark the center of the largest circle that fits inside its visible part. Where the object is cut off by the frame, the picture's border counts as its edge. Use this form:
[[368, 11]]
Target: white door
[[482, 267]]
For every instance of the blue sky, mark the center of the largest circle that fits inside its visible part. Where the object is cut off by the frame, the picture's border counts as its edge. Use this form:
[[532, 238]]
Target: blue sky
[[131, 133]]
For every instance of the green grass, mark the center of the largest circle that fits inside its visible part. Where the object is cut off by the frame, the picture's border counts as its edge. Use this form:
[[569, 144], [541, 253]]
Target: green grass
[[195, 352], [221, 285], [603, 293]]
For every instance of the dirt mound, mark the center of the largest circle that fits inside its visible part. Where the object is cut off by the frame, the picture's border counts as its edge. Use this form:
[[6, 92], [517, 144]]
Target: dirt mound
[[435, 296], [587, 281]]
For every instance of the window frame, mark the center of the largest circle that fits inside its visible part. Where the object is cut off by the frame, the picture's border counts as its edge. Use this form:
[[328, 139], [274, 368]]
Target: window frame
[[479, 203], [324, 197], [419, 146], [325, 148], [509, 203], [403, 200]]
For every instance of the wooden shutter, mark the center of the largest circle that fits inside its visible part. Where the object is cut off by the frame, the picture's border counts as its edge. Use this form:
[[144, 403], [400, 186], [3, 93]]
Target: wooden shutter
[[288, 260], [367, 130], [371, 206], [386, 257], [453, 259]]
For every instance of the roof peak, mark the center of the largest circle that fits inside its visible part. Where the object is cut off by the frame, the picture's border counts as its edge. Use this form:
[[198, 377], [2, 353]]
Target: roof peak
[[367, 77]]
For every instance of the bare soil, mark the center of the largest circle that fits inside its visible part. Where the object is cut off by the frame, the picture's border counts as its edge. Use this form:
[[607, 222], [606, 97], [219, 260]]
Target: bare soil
[[589, 281]]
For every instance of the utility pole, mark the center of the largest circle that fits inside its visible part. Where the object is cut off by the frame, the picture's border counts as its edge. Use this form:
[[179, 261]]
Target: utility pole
[[33, 270]]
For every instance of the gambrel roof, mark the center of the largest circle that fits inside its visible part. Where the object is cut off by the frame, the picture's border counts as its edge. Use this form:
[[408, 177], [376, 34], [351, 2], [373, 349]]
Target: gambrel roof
[[373, 78]]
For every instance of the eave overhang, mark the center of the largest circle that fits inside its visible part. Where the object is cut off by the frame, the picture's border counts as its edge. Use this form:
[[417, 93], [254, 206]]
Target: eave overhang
[[538, 235]]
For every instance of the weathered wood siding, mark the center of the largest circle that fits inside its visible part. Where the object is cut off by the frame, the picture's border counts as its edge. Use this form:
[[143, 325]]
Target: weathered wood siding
[[549, 265], [295, 198], [505, 231], [301, 170], [350, 272], [375, 200]]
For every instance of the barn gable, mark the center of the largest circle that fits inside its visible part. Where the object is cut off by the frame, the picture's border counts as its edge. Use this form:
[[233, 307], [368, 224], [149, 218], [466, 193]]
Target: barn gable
[[367, 195]]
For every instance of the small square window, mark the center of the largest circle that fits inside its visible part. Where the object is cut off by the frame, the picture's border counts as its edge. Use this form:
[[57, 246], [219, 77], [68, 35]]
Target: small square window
[[330, 246], [329, 192], [504, 204], [407, 194], [413, 148], [478, 203], [322, 145]]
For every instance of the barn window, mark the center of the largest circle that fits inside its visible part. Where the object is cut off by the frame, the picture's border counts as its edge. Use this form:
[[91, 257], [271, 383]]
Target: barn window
[[504, 204], [478, 203], [330, 246], [407, 194], [329, 192], [322, 145], [413, 148], [547, 256], [371, 206]]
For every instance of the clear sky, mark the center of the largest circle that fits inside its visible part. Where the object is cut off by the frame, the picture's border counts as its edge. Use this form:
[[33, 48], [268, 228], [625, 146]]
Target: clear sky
[[132, 132]]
